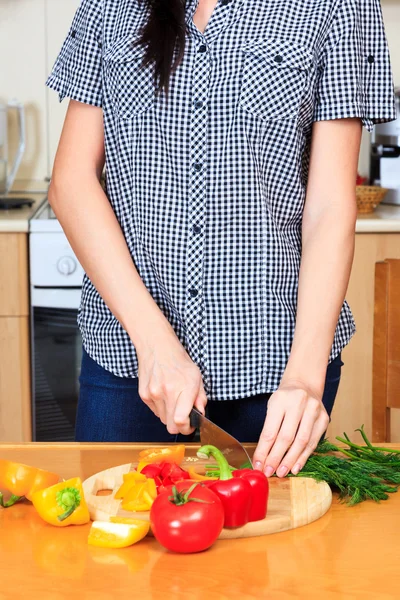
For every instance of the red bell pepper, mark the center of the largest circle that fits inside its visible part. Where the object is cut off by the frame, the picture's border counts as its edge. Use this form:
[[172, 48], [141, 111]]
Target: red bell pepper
[[260, 491], [164, 474], [234, 492], [151, 471]]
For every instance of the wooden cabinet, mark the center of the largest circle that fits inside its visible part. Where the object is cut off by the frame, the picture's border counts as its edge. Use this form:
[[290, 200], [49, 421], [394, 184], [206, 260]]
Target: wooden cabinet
[[353, 406], [15, 395]]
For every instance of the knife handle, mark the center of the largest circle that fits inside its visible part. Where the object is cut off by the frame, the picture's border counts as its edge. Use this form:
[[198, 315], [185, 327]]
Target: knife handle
[[194, 418]]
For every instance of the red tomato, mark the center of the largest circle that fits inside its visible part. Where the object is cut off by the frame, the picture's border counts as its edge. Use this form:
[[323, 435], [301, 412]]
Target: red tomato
[[189, 527]]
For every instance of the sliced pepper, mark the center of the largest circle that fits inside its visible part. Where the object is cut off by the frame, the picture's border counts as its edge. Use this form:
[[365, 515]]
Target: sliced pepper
[[197, 477], [62, 504], [117, 534], [138, 505], [152, 470], [130, 480], [133, 475], [23, 481], [151, 488], [134, 492], [140, 497], [171, 454]]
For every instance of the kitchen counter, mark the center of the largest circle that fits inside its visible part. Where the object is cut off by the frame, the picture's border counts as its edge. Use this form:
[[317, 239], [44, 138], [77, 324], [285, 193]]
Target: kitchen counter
[[349, 553], [16, 220], [384, 219]]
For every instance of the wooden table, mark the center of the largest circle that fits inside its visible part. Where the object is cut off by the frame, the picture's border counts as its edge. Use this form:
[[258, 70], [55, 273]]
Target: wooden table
[[349, 553]]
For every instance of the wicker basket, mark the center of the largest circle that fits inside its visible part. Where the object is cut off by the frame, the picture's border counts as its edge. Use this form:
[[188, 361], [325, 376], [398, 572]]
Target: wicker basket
[[368, 197]]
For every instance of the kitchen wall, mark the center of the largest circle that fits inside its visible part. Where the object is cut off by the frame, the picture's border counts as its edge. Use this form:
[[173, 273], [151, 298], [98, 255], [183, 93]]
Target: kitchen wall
[[31, 32]]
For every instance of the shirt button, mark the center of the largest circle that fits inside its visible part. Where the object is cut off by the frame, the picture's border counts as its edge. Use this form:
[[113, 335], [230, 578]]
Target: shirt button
[[278, 58], [193, 292], [197, 166], [203, 48], [371, 58], [73, 33], [196, 228], [198, 104], [224, 2]]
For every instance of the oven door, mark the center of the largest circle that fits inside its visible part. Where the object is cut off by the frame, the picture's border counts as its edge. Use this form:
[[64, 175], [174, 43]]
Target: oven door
[[56, 362]]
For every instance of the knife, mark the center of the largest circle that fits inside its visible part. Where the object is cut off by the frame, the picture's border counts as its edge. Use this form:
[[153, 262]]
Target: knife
[[230, 447]]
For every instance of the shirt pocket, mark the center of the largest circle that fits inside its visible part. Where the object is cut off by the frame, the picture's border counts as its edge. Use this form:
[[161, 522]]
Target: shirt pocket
[[275, 76], [131, 86]]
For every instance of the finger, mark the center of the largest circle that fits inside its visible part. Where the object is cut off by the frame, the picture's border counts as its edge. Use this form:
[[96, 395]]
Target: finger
[[148, 401], [183, 407], [201, 400], [170, 405], [302, 439], [283, 441], [273, 422], [161, 412], [319, 428]]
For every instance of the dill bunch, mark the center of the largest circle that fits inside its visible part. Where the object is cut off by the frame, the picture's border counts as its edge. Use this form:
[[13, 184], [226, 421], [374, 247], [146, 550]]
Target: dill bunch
[[367, 473]]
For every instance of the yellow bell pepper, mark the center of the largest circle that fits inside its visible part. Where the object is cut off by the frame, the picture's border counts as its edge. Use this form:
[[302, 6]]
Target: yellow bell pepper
[[117, 534], [140, 497], [62, 504], [130, 480]]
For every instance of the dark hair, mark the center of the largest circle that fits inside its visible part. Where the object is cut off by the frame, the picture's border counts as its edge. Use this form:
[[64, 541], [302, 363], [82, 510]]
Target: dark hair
[[164, 38]]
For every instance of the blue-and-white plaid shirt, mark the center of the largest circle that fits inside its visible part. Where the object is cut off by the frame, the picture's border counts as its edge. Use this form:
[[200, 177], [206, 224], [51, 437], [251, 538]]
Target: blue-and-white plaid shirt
[[209, 190]]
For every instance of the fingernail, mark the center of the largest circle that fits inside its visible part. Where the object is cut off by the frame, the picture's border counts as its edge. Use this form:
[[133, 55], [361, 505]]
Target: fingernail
[[296, 468], [258, 465], [268, 471], [282, 471]]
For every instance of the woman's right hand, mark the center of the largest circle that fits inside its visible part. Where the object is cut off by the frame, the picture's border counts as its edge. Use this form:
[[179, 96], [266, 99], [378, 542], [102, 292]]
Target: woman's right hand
[[170, 383]]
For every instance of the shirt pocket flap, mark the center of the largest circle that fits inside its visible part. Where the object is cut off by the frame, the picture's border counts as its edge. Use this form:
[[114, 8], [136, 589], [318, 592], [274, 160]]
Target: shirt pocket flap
[[123, 50], [130, 83], [280, 53]]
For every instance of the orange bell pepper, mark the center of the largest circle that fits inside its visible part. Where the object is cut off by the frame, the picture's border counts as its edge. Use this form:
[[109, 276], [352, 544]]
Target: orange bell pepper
[[172, 454], [23, 481]]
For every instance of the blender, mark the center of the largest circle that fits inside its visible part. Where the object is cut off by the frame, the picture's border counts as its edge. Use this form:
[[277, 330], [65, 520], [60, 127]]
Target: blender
[[8, 171]]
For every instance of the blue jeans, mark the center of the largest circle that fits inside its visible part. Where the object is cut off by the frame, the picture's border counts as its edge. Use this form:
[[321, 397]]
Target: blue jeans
[[111, 410]]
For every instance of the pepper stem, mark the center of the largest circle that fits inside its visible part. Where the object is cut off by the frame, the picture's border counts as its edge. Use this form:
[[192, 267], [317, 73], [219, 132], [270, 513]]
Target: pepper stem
[[224, 468], [69, 499], [11, 501]]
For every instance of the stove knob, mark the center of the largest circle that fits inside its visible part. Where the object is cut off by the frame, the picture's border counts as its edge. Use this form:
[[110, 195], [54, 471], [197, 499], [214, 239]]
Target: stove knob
[[66, 265]]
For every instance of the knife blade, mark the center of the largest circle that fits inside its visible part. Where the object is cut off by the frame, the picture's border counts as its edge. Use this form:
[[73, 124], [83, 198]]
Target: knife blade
[[212, 434]]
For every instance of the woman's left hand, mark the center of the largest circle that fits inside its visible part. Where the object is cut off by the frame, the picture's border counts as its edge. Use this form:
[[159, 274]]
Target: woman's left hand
[[296, 419]]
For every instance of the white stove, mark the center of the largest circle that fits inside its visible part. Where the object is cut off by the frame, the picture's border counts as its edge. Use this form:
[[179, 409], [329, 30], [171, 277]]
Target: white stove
[[55, 272], [56, 281]]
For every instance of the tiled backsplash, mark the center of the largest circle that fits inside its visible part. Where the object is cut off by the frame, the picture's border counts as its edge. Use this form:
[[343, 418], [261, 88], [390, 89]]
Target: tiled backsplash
[[31, 33]]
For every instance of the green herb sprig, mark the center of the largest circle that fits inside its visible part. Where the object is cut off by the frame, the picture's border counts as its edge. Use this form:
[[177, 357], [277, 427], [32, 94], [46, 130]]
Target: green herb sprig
[[367, 473]]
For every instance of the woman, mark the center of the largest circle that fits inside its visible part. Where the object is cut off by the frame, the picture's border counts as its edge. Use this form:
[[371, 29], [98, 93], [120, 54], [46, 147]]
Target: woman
[[218, 258]]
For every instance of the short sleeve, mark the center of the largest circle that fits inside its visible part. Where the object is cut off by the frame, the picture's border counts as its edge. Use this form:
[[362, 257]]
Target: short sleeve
[[77, 71], [354, 72]]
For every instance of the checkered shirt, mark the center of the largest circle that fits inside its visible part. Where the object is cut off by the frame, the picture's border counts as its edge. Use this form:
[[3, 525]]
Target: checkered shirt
[[209, 188]]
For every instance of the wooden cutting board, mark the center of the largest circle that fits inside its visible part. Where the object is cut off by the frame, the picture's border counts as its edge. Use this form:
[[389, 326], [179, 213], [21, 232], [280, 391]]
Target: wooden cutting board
[[293, 501]]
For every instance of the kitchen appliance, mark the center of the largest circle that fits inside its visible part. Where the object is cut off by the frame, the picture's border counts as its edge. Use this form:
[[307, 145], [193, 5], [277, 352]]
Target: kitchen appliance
[[56, 280], [385, 156], [7, 171], [210, 433]]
